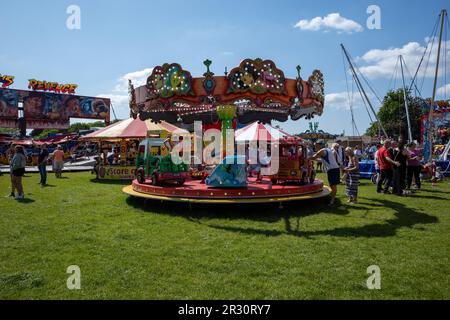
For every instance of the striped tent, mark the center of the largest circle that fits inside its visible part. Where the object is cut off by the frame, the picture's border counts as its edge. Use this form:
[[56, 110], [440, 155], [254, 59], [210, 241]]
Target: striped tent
[[131, 129], [257, 131]]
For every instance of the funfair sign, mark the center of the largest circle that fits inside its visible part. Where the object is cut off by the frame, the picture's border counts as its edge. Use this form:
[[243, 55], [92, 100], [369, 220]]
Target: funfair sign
[[6, 80], [37, 85]]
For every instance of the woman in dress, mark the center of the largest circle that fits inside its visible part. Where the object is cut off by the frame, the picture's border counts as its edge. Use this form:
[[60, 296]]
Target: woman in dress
[[352, 176]]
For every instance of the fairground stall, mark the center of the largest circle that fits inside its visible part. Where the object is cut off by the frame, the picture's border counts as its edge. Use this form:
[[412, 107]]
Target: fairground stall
[[31, 146], [254, 91], [118, 146], [441, 136]]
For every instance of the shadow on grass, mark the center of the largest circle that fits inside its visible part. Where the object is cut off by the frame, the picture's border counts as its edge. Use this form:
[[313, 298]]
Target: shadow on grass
[[417, 195], [270, 212], [291, 215], [404, 217], [112, 182], [25, 201], [428, 191]]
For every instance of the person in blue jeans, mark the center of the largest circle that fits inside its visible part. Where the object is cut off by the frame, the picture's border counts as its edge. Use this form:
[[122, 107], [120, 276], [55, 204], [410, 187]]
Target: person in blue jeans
[[42, 164]]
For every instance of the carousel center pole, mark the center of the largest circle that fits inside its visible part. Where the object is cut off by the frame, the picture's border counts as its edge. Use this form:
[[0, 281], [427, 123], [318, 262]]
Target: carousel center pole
[[226, 114]]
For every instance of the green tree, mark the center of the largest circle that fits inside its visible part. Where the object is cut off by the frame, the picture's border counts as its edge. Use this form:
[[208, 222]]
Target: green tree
[[392, 115]]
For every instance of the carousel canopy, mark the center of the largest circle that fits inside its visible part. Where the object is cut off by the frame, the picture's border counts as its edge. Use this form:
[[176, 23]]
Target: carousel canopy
[[257, 87], [255, 131], [131, 129]]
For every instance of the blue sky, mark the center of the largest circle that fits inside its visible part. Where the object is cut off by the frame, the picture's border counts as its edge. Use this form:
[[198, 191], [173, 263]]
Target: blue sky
[[119, 38]]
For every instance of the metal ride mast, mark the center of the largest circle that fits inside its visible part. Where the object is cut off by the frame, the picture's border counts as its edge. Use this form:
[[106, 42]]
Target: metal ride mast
[[361, 89], [410, 137], [443, 14]]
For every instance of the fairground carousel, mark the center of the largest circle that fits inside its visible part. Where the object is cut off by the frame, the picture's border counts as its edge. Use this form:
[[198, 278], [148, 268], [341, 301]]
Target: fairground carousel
[[255, 91]]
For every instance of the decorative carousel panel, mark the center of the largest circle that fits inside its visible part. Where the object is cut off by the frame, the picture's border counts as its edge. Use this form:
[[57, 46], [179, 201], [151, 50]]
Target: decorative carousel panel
[[317, 86], [258, 77], [169, 80]]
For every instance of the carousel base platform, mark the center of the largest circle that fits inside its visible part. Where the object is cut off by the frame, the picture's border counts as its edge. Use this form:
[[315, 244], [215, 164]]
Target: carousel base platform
[[256, 192]]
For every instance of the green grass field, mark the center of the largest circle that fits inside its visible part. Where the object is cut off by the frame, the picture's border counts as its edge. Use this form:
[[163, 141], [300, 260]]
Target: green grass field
[[129, 249]]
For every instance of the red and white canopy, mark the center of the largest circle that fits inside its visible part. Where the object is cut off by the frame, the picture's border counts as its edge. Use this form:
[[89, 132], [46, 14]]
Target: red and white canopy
[[131, 129], [258, 131]]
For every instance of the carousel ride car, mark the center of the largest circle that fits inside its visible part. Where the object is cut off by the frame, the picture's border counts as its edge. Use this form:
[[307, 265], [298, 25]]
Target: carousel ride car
[[294, 164], [155, 161]]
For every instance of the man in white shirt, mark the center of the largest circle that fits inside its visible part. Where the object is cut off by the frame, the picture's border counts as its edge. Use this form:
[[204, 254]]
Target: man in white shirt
[[330, 160]]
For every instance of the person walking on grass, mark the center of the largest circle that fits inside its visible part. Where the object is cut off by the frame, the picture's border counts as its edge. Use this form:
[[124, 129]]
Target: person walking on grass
[[58, 162], [414, 167], [352, 176], [330, 160], [10, 154], [17, 168], [386, 167], [42, 164]]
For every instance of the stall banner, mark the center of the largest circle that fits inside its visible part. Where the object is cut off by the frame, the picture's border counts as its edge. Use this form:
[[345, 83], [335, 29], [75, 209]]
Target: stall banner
[[9, 103], [7, 123], [52, 106], [45, 124], [116, 173]]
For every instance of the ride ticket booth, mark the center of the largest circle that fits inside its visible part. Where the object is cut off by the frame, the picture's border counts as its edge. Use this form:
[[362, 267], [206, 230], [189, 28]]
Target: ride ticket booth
[[117, 160]]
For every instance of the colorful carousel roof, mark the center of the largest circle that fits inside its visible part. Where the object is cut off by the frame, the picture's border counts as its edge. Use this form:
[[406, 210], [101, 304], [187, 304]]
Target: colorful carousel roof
[[257, 87]]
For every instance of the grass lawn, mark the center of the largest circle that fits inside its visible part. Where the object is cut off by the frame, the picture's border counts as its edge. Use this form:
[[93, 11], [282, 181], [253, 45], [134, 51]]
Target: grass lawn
[[129, 249]]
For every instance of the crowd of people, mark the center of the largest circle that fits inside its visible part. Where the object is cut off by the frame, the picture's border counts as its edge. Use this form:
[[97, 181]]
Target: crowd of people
[[396, 163], [18, 161]]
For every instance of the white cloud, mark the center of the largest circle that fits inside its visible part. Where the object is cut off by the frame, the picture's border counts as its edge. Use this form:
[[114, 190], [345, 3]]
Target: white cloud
[[381, 63], [339, 100], [119, 94], [443, 92], [332, 21], [138, 78]]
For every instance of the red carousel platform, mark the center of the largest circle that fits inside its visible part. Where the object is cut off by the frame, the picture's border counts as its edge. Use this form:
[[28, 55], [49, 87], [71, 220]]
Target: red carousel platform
[[257, 192]]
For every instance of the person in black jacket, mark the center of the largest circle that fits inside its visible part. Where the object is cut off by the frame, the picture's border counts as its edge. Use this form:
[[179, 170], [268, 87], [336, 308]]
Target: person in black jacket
[[400, 155]]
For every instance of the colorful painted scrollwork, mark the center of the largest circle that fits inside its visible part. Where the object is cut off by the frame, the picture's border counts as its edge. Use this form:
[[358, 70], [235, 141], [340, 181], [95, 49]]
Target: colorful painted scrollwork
[[257, 88], [169, 80], [299, 84], [258, 77], [134, 109], [209, 83], [317, 85]]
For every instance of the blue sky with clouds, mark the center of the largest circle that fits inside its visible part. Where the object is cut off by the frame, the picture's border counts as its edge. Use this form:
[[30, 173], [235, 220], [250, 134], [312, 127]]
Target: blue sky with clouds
[[124, 39]]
